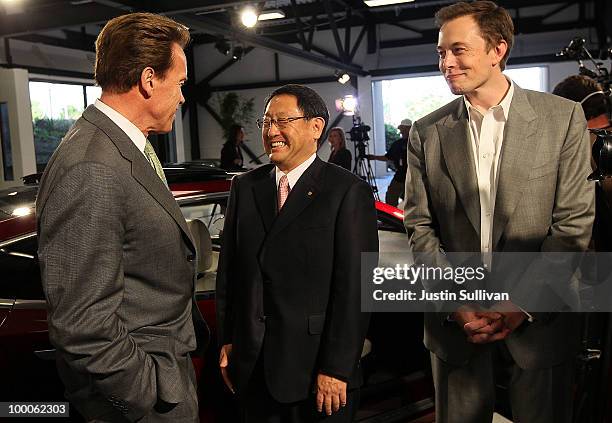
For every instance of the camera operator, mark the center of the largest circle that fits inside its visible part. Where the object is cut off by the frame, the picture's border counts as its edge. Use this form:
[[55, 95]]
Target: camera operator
[[397, 154], [596, 106]]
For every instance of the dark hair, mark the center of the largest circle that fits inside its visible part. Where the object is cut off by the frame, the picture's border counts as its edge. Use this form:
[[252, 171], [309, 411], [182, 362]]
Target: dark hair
[[233, 132], [128, 44], [494, 22], [577, 87], [309, 102]]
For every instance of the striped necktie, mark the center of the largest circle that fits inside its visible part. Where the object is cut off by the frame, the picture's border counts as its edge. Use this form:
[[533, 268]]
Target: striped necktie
[[154, 161]]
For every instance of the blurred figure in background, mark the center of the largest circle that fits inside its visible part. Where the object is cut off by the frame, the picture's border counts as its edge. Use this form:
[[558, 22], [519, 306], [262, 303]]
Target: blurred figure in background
[[340, 155], [397, 154], [595, 104], [231, 156]]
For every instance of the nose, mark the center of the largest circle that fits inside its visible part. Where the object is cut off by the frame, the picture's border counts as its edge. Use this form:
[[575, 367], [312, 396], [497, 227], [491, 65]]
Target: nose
[[182, 100], [448, 61], [272, 130]]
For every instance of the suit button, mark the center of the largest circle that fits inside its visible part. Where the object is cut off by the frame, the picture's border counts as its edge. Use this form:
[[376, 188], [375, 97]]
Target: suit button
[[262, 319], [191, 257]]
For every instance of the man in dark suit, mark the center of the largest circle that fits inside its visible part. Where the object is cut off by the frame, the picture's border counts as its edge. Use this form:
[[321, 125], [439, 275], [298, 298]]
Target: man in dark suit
[[500, 169], [117, 259], [288, 284]]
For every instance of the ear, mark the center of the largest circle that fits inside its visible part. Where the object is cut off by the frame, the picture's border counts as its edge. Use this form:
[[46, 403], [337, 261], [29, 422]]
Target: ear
[[147, 81], [316, 125], [500, 51]]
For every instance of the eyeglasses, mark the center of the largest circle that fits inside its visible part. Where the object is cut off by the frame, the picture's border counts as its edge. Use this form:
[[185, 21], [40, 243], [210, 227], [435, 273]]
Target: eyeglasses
[[266, 123]]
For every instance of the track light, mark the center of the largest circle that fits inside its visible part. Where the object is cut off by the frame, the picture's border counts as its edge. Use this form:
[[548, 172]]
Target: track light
[[238, 52], [223, 47], [342, 76]]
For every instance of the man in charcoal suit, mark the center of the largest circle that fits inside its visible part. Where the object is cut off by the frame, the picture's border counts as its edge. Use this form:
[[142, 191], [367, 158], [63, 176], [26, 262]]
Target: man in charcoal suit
[[288, 285], [117, 259]]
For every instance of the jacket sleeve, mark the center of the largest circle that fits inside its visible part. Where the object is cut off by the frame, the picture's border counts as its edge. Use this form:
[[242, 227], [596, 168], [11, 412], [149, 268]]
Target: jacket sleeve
[[223, 295], [346, 326], [81, 246], [420, 220], [546, 280]]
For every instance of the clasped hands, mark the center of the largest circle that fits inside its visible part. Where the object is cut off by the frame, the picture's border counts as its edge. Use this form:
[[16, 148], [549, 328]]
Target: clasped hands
[[330, 392], [483, 325]]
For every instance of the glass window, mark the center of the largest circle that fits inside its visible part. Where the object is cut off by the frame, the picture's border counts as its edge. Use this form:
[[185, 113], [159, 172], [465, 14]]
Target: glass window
[[92, 93], [19, 263], [415, 97], [55, 107]]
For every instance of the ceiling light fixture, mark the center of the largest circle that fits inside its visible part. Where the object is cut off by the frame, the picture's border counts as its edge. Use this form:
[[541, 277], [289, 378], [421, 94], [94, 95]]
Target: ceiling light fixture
[[248, 16], [267, 15], [238, 52], [376, 3], [342, 76]]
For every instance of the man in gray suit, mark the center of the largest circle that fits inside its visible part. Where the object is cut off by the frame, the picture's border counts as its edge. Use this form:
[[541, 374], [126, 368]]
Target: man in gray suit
[[117, 259], [499, 169]]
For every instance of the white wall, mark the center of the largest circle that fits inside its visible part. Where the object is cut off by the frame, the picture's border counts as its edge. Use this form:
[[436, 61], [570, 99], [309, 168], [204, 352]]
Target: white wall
[[14, 91]]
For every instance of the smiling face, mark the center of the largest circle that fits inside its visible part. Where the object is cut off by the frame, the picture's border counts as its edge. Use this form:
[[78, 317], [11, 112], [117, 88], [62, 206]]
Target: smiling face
[[290, 146], [167, 96], [466, 62]]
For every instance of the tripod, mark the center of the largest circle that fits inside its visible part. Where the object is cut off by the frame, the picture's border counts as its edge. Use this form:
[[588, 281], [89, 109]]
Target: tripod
[[363, 168]]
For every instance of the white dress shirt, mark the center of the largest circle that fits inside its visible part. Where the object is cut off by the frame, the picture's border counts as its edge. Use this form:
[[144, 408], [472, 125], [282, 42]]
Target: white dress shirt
[[487, 134], [296, 173], [124, 124]]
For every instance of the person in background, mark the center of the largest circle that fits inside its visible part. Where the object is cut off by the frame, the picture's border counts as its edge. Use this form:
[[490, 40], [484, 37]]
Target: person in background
[[596, 106], [397, 155], [231, 154], [340, 155]]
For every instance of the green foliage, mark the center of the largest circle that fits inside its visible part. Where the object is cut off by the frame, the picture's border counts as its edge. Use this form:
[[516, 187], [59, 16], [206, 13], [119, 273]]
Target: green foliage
[[391, 135], [47, 135], [234, 110]]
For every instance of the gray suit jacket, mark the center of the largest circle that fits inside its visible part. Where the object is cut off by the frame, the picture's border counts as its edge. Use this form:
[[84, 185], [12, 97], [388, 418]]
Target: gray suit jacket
[[118, 267], [544, 203]]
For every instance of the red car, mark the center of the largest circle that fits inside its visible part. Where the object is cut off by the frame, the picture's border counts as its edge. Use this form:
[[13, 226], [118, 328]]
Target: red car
[[27, 358]]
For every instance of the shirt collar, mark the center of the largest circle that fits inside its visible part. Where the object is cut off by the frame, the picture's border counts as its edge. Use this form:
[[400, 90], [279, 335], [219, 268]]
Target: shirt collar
[[124, 124], [296, 173], [504, 104]]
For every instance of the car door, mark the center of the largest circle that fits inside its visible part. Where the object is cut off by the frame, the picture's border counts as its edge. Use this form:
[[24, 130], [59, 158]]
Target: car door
[[27, 356]]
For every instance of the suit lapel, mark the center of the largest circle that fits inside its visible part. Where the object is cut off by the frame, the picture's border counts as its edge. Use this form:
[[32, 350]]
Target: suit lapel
[[301, 196], [142, 171], [264, 192], [518, 153], [455, 141]]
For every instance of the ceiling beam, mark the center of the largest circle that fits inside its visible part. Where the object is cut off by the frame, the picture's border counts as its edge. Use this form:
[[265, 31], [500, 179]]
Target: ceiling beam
[[27, 23], [205, 24], [73, 44]]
